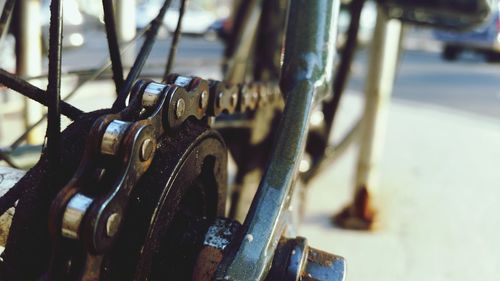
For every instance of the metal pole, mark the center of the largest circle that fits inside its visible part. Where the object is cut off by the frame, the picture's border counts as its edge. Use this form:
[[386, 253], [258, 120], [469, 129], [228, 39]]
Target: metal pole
[[29, 60], [384, 55], [126, 26]]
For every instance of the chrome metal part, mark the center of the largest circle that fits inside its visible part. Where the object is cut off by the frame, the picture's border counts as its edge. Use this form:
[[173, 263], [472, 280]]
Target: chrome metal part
[[204, 100], [152, 93], [113, 136], [183, 81], [73, 215], [233, 100], [116, 199]]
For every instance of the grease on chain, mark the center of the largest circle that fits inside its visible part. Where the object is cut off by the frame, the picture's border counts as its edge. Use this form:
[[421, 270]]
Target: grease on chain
[[123, 147], [201, 98]]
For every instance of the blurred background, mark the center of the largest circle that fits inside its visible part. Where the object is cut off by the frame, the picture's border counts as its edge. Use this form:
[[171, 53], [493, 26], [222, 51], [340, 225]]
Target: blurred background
[[439, 180]]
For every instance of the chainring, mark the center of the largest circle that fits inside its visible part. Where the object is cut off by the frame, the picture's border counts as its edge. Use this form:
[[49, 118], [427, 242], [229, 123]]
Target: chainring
[[172, 206]]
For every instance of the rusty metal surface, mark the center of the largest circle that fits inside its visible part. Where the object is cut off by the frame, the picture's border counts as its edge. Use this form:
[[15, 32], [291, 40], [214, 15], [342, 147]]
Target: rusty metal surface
[[324, 266], [217, 239], [384, 56], [295, 260]]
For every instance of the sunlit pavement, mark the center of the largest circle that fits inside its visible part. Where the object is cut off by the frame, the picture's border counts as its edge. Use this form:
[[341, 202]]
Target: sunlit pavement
[[439, 216]]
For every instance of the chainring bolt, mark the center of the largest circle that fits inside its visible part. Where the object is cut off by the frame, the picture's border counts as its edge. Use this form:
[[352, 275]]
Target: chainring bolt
[[180, 108], [204, 100], [112, 224], [146, 149]]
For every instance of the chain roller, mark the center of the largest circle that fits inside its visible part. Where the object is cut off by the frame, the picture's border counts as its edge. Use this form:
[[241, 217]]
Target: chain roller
[[90, 209]]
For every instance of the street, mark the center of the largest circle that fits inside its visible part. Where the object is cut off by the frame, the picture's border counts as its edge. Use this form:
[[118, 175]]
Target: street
[[469, 85]]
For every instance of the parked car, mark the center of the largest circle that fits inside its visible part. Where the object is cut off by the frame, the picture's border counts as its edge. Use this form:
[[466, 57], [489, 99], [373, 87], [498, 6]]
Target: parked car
[[483, 39], [196, 20], [219, 29]]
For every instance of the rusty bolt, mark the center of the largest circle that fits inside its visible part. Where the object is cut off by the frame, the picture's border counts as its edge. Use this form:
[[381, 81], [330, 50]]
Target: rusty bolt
[[146, 149], [204, 100], [180, 108], [112, 224]]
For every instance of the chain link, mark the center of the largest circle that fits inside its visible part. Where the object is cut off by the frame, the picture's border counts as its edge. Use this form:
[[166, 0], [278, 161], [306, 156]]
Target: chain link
[[119, 150]]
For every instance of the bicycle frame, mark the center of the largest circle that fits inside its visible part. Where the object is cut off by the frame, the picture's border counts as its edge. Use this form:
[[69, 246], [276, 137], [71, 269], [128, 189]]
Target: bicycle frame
[[306, 79]]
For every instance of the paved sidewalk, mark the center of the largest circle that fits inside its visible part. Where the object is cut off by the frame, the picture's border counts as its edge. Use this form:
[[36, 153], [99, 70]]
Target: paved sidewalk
[[438, 199]]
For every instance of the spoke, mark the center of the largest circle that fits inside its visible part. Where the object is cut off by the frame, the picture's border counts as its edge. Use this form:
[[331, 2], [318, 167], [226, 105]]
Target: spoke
[[19, 85], [54, 90], [140, 60], [340, 81], [175, 40], [345, 63], [5, 18], [342, 74], [96, 73], [114, 49]]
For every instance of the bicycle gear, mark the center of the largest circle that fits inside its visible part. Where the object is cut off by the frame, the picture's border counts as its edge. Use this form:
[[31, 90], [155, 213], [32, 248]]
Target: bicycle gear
[[88, 215]]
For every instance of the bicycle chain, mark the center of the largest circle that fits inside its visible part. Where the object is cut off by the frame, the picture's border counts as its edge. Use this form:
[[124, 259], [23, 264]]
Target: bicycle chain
[[89, 210]]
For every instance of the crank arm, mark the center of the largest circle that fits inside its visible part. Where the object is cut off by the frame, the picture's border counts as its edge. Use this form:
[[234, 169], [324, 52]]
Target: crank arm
[[307, 73]]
